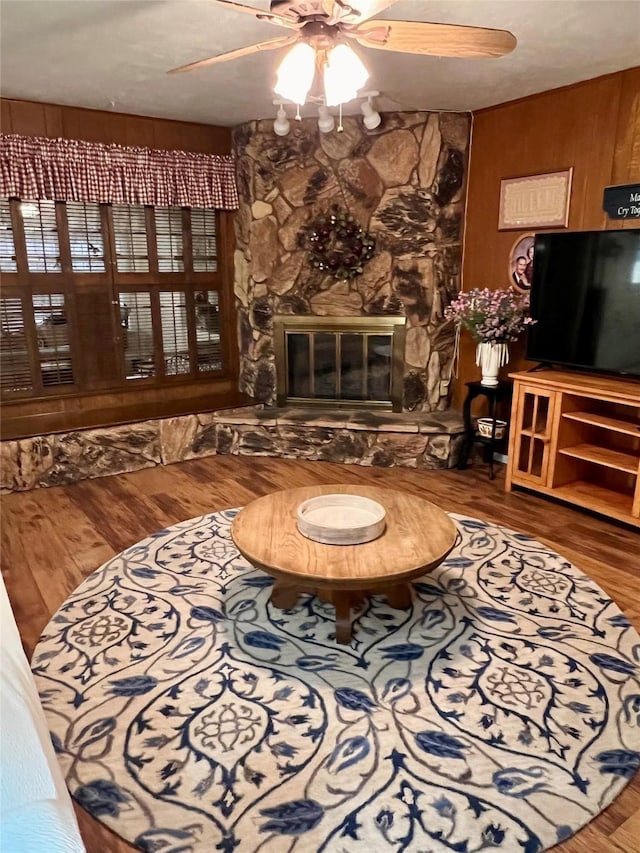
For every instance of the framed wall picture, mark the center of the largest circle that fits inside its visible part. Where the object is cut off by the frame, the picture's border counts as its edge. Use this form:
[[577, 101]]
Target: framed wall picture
[[521, 263], [535, 201]]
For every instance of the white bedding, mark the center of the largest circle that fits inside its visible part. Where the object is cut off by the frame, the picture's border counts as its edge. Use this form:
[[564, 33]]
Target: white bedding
[[36, 813]]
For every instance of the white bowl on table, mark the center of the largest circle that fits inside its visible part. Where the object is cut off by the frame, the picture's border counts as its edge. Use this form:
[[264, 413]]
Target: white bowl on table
[[341, 519]]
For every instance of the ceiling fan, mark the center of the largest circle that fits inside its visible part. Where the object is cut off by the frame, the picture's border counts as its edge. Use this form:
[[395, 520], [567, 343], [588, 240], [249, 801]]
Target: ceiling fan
[[322, 26]]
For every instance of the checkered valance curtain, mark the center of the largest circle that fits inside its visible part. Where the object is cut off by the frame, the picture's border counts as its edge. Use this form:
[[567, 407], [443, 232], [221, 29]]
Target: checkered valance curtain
[[34, 167]]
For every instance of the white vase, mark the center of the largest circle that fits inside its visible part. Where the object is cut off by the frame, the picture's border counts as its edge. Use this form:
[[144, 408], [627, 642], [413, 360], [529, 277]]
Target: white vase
[[490, 358]]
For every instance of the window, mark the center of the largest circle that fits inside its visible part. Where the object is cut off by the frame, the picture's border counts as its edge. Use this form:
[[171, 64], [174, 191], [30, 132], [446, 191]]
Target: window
[[105, 297]]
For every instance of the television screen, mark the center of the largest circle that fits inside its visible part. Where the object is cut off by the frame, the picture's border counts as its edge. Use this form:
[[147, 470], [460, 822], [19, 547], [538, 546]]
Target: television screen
[[585, 296]]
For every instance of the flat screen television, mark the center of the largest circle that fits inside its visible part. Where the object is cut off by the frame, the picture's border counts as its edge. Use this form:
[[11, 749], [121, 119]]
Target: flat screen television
[[585, 297]]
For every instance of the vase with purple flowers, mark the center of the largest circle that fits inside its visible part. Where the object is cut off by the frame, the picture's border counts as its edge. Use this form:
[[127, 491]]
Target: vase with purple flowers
[[494, 318]]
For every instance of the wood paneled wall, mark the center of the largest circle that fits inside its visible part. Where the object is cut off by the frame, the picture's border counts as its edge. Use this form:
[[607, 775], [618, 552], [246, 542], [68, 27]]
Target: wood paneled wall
[[593, 127], [30, 118]]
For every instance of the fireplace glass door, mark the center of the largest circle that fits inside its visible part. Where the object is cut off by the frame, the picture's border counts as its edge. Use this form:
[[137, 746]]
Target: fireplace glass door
[[344, 361]]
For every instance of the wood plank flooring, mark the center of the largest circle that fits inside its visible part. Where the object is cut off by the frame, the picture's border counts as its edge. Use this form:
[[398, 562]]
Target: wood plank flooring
[[52, 538]]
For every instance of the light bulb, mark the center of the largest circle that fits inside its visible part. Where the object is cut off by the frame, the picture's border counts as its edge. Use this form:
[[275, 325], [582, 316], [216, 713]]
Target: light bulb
[[371, 118], [344, 74], [281, 124], [296, 72], [326, 122]]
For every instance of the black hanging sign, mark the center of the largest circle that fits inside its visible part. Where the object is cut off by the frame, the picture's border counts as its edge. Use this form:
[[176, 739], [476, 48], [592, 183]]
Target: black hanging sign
[[622, 202]]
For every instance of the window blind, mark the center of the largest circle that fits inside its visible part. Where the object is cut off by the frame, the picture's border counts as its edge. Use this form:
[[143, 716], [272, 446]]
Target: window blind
[[208, 349], [169, 241], [130, 233], [137, 324], [203, 235], [175, 335], [86, 242], [16, 369], [41, 236], [7, 246], [53, 339]]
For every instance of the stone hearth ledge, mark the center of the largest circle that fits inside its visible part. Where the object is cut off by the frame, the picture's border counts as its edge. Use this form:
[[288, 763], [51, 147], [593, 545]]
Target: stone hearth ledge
[[409, 439]]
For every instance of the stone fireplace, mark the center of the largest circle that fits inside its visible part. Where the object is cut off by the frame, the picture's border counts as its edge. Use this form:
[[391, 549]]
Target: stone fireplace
[[340, 361], [359, 368], [404, 183]]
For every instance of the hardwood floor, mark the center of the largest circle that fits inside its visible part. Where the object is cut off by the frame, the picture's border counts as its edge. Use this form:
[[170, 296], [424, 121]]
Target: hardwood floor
[[52, 538]]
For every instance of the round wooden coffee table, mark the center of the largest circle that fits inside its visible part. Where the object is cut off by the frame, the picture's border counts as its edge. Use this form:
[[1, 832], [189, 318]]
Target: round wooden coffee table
[[417, 538]]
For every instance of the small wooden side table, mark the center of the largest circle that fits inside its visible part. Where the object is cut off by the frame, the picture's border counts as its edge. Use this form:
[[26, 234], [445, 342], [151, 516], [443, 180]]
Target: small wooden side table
[[495, 394], [417, 538]]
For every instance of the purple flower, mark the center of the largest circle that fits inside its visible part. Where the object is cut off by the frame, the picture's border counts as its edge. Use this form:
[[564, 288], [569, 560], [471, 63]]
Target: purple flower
[[496, 316]]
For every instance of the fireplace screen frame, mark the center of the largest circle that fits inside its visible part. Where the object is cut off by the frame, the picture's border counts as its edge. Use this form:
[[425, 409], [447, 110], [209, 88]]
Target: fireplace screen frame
[[394, 326]]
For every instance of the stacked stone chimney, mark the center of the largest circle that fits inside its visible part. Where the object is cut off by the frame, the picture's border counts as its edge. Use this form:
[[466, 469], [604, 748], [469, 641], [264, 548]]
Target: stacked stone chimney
[[403, 182]]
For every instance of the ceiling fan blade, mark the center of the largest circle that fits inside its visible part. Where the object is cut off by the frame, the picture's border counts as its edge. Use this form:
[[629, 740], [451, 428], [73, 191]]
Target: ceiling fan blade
[[272, 44], [270, 17], [434, 39], [355, 12]]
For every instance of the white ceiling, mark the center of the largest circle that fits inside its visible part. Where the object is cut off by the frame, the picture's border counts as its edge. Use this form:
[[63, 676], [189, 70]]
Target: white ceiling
[[114, 55]]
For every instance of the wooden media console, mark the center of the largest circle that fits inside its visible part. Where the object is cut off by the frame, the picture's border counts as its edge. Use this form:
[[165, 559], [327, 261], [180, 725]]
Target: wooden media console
[[577, 437]]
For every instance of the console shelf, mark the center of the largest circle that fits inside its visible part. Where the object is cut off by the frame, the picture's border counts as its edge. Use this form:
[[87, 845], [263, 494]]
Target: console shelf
[[603, 421], [603, 456], [588, 495], [577, 437]]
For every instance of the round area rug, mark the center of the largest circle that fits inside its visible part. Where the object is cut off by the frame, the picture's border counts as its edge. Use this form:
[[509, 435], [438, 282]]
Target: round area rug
[[501, 711]]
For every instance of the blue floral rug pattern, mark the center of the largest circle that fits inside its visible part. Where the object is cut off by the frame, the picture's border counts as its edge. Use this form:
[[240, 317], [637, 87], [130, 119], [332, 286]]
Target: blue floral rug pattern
[[501, 712]]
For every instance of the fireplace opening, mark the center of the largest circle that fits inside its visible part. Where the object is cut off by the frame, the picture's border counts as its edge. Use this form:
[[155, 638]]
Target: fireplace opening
[[340, 361]]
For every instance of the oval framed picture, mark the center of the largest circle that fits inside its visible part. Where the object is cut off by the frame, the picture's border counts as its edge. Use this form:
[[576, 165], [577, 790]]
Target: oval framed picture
[[521, 263]]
